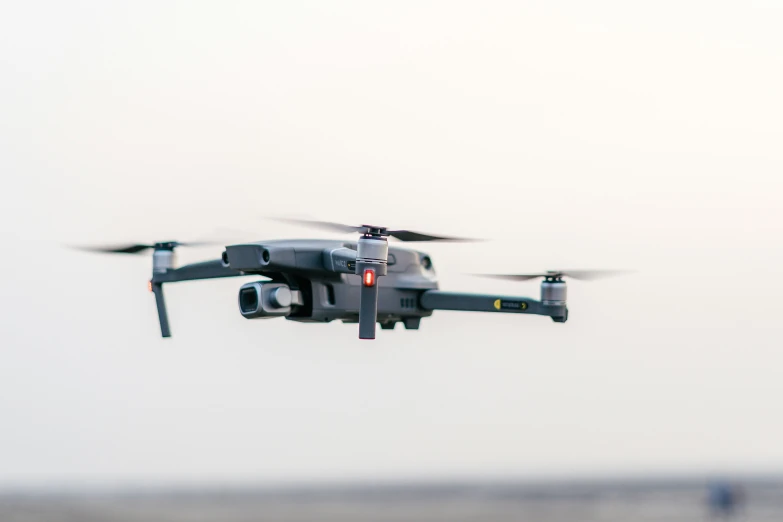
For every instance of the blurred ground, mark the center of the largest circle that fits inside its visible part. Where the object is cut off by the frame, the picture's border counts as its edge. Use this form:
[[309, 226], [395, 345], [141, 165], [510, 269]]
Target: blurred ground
[[619, 501]]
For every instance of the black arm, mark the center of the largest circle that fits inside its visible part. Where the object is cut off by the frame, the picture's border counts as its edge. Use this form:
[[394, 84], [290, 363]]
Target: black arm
[[195, 271], [163, 317], [438, 300], [203, 270]]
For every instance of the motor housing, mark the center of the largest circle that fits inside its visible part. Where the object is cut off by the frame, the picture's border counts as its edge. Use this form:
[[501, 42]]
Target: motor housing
[[553, 292], [163, 259]]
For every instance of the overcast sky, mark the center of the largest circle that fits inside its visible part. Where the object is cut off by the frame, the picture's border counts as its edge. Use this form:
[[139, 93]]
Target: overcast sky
[[627, 135]]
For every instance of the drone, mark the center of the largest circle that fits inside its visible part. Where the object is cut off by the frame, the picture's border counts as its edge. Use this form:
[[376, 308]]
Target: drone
[[366, 281]]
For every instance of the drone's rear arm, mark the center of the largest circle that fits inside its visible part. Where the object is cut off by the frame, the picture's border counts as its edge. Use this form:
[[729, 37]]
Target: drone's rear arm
[[205, 270], [439, 300]]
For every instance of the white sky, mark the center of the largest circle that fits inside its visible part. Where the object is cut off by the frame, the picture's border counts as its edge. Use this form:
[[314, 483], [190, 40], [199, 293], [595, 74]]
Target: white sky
[[609, 135]]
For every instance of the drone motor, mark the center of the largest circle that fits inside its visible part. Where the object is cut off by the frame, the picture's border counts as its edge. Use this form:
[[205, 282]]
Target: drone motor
[[163, 257], [553, 291]]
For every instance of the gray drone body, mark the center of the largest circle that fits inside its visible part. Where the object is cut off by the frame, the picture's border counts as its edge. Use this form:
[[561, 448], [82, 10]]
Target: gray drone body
[[321, 278], [323, 281], [364, 281]]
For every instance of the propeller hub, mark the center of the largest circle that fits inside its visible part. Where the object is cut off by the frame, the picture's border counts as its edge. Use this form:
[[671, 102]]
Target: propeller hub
[[374, 231]]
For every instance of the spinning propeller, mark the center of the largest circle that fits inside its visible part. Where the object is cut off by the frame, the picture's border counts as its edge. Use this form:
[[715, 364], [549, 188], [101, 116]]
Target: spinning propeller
[[584, 275], [402, 235], [140, 248]]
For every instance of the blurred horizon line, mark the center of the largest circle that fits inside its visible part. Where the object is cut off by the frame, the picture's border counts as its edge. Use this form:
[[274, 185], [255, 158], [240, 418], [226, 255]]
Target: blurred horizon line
[[389, 484]]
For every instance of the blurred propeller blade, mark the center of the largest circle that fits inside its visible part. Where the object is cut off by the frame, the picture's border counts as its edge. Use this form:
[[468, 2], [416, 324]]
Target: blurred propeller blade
[[409, 235], [139, 248], [511, 277], [592, 275], [119, 249], [325, 225], [196, 244], [401, 235], [584, 275]]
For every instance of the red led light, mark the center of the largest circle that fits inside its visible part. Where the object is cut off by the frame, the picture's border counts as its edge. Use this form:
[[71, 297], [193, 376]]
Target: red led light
[[369, 277], [149, 286]]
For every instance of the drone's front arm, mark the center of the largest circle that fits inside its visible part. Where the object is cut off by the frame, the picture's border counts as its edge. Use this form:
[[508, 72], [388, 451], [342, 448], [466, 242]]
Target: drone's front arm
[[439, 300]]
